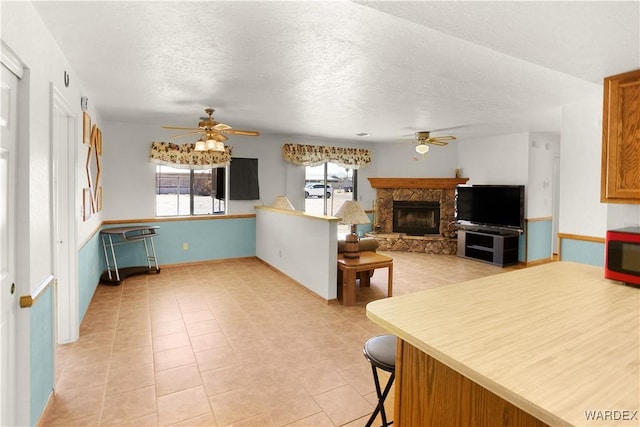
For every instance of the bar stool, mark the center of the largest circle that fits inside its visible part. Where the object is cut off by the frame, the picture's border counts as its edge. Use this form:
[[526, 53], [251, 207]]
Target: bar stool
[[380, 351]]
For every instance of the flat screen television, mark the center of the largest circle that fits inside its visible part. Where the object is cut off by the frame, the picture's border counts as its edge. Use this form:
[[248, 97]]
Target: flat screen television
[[492, 206]]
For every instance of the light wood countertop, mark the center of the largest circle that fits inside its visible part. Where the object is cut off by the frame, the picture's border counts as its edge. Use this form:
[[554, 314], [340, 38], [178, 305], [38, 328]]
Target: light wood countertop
[[555, 340]]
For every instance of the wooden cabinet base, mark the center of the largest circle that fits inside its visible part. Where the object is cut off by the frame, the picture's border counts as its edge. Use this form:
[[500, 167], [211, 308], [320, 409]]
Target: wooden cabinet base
[[429, 393]]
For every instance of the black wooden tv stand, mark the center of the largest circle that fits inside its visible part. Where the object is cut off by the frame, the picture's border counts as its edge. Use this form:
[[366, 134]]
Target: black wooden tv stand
[[493, 246]]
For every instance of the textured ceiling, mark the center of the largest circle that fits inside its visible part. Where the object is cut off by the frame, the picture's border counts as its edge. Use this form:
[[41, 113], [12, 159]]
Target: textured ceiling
[[333, 69]]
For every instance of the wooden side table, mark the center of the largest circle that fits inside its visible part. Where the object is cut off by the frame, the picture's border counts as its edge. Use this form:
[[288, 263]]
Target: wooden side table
[[368, 261]]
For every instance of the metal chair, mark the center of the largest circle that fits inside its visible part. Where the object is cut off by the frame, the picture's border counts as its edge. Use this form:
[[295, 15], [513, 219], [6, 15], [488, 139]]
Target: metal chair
[[380, 351]]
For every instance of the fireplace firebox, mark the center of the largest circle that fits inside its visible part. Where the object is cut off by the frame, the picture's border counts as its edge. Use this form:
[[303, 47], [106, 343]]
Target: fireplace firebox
[[416, 218]]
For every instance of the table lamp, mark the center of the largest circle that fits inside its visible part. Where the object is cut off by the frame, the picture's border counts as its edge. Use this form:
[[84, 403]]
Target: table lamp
[[351, 213], [281, 202]]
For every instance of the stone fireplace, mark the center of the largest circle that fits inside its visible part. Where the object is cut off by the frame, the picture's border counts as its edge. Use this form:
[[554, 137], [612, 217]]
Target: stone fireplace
[[423, 192], [416, 218]]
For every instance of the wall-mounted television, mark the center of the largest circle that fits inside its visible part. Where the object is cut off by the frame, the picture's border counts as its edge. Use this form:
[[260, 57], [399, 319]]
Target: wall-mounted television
[[492, 206]]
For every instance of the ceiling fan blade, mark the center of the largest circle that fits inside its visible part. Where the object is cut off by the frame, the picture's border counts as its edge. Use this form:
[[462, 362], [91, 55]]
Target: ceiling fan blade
[[440, 140], [179, 128], [187, 134], [453, 127], [241, 132], [444, 138], [437, 142], [211, 129]]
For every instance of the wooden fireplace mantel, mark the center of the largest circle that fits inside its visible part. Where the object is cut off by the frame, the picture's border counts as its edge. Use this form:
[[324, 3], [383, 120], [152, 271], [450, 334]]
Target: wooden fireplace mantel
[[416, 182]]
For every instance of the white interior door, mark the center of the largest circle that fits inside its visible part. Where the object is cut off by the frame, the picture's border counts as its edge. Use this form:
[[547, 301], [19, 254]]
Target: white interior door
[[8, 298], [63, 154]]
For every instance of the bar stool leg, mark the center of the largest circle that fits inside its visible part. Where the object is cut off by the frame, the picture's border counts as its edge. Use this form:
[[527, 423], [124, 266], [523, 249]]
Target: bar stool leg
[[382, 396]]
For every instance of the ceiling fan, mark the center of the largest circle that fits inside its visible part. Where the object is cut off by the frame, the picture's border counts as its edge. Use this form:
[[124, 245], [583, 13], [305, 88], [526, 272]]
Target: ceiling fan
[[423, 139], [212, 132]]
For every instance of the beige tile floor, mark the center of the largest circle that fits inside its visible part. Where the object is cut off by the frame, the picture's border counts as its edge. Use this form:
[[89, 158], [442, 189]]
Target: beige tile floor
[[230, 343]]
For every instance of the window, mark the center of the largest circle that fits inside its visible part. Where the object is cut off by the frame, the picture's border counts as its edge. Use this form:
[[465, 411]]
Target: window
[[334, 166], [185, 192], [326, 188]]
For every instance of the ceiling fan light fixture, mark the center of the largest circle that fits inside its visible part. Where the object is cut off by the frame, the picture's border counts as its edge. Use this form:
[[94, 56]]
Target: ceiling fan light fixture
[[213, 141], [422, 148], [212, 133], [213, 145]]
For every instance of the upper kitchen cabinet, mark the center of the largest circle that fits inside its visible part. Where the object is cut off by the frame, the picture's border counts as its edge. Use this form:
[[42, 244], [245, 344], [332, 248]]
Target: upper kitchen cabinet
[[621, 139]]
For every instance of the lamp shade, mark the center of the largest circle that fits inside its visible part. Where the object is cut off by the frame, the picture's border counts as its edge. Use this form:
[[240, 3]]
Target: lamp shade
[[281, 202], [422, 148], [351, 213], [213, 145]]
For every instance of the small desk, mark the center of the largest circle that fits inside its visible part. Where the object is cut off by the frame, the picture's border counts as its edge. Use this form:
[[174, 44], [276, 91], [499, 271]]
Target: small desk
[[368, 261], [124, 235]]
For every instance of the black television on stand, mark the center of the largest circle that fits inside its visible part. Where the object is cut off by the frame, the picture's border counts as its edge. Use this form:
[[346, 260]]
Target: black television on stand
[[490, 208]]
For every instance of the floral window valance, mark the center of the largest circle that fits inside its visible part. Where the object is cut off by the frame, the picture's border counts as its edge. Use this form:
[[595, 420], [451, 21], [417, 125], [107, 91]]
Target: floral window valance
[[314, 155], [184, 156]]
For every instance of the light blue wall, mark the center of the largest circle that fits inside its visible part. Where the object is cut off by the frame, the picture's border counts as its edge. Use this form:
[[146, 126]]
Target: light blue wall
[[365, 228], [539, 240], [41, 353], [206, 239], [582, 251], [521, 246], [90, 265]]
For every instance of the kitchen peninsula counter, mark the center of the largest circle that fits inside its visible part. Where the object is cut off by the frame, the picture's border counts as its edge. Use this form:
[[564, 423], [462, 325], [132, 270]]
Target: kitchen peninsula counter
[[554, 344]]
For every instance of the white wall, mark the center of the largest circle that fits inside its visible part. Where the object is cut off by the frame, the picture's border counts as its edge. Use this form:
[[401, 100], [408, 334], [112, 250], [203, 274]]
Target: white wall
[[34, 182], [500, 159], [45, 65], [581, 212], [310, 260], [619, 216], [272, 175], [129, 177], [25, 34], [400, 160], [542, 149], [294, 175]]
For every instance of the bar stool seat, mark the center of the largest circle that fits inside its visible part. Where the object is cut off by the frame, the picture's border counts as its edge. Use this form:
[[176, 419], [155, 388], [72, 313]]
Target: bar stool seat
[[380, 351]]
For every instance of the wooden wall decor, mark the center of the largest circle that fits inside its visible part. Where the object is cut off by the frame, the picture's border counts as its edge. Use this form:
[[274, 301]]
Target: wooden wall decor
[[86, 128], [99, 199], [92, 195], [87, 201], [97, 148], [99, 142]]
